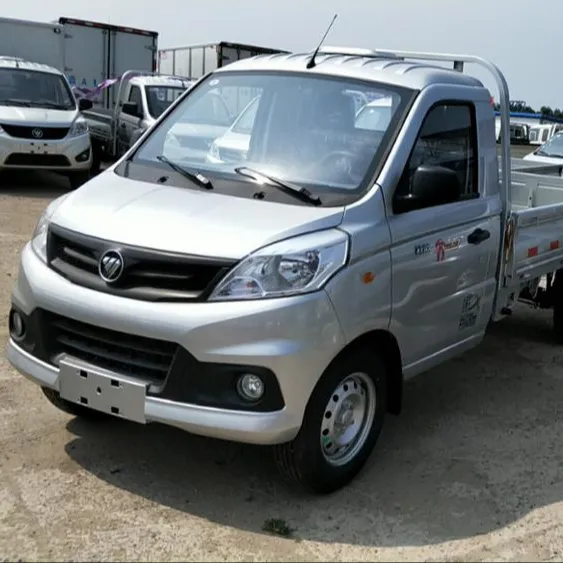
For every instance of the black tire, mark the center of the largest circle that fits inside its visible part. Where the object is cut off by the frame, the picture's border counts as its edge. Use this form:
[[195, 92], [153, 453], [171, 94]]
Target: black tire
[[96, 159], [558, 307], [72, 408], [302, 460], [76, 179]]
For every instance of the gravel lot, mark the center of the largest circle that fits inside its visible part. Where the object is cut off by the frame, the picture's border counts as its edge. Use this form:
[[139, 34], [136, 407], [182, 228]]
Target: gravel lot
[[471, 471]]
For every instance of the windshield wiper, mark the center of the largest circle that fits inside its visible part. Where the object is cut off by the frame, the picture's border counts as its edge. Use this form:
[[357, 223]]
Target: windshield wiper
[[50, 105], [197, 178], [297, 191], [16, 102]]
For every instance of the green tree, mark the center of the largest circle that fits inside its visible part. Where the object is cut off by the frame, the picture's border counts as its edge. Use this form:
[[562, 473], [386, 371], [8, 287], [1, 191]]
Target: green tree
[[546, 110]]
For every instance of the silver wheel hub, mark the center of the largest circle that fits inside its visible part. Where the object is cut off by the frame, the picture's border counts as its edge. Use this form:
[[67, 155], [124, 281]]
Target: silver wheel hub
[[348, 418]]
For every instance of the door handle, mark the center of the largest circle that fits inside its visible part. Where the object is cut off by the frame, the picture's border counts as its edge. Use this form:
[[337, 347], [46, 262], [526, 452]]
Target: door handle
[[123, 125], [478, 236]]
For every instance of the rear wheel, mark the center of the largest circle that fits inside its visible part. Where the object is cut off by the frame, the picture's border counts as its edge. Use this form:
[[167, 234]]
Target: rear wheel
[[558, 306], [342, 423], [72, 408]]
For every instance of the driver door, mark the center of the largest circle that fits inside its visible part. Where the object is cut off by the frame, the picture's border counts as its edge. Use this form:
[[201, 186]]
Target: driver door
[[129, 123]]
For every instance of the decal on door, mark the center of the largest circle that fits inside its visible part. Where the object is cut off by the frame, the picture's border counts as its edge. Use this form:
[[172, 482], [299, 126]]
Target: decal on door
[[442, 246], [470, 308]]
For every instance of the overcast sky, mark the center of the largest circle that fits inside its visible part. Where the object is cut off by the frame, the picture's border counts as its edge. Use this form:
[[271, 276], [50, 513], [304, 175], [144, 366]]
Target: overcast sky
[[522, 37]]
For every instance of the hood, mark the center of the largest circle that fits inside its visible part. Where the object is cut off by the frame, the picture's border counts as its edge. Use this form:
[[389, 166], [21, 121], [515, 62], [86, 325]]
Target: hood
[[184, 220], [546, 159], [15, 115]]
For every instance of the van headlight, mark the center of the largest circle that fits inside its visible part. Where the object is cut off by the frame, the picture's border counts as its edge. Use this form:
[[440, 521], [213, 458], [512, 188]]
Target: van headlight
[[79, 127], [39, 238], [294, 266]]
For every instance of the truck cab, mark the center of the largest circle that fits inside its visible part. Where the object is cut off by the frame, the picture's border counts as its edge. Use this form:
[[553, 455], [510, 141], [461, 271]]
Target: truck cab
[[144, 100], [41, 127], [141, 99]]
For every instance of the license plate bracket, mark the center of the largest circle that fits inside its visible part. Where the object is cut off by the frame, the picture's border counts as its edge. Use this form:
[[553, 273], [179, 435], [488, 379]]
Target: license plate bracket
[[102, 390]]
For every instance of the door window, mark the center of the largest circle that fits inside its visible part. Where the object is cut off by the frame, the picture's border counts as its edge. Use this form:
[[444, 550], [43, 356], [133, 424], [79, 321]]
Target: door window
[[448, 138]]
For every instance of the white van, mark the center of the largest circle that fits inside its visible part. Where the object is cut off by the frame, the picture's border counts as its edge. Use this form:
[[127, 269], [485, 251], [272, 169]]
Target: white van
[[40, 122]]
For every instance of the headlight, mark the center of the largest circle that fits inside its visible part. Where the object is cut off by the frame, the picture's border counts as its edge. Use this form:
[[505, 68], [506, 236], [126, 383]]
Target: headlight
[[79, 127], [293, 266], [39, 238]]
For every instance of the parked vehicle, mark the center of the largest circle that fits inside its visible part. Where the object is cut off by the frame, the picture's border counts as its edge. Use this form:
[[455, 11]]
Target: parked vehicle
[[40, 123], [284, 299], [519, 133], [96, 51], [540, 134], [198, 60], [141, 99], [550, 152], [43, 43]]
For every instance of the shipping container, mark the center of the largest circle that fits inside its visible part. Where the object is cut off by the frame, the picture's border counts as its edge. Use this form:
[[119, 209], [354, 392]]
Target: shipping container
[[196, 60], [33, 41], [96, 51]]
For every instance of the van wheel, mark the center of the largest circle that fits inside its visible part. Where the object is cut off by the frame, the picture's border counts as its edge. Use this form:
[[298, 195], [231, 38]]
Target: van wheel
[[558, 307], [342, 423], [71, 408]]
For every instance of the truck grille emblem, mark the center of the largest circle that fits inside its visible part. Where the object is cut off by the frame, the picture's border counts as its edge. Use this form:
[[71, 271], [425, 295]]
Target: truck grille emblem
[[110, 266], [37, 133]]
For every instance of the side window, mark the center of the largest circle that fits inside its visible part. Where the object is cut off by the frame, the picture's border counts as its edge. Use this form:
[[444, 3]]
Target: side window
[[135, 95], [448, 138]]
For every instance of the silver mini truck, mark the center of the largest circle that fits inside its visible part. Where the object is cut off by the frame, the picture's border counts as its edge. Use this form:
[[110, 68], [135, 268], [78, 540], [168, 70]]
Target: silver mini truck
[[281, 293]]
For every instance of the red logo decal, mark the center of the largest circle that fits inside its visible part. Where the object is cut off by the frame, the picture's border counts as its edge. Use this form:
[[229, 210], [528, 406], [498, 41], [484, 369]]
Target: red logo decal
[[440, 250]]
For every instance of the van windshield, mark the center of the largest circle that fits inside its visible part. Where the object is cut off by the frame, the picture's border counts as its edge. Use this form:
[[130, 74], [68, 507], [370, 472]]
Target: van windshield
[[32, 88], [294, 126]]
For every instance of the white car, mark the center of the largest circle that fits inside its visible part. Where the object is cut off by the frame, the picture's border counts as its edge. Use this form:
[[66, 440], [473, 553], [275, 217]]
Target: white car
[[550, 152], [40, 122]]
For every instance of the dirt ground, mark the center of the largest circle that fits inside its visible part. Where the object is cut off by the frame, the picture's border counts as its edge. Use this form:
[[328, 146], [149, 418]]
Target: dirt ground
[[471, 471]]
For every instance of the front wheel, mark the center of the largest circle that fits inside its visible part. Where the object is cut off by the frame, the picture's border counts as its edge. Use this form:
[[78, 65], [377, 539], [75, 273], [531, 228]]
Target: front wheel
[[342, 423], [72, 408]]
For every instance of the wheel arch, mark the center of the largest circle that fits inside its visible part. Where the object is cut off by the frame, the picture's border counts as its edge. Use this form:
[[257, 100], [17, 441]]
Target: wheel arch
[[386, 346]]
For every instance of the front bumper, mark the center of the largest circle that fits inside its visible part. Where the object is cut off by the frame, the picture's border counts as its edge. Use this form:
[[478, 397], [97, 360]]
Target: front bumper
[[71, 154], [293, 338]]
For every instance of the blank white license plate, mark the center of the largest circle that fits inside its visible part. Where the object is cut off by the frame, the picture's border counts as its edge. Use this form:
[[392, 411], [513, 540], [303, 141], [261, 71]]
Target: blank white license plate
[[101, 390]]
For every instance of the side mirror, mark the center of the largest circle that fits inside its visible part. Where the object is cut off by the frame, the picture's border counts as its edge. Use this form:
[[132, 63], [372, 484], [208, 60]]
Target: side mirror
[[84, 104], [130, 108], [430, 185]]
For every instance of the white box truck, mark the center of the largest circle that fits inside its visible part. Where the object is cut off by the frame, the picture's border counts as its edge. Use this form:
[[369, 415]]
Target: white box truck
[[196, 60], [96, 51], [33, 41]]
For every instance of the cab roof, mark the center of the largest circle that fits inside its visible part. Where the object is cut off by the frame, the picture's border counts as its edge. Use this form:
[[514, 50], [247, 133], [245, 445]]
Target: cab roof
[[360, 64], [15, 62]]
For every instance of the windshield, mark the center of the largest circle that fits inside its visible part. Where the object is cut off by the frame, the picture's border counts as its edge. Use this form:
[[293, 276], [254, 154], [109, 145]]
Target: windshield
[[375, 116], [553, 147], [296, 127], [245, 120], [31, 88], [159, 98]]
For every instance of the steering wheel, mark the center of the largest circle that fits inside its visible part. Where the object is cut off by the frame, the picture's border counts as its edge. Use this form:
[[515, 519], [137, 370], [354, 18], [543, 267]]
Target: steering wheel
[[332, 156]]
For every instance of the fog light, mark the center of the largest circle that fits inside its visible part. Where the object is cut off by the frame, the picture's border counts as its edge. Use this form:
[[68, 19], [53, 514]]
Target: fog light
[[83, 156], [17, 325], [250, 387]]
